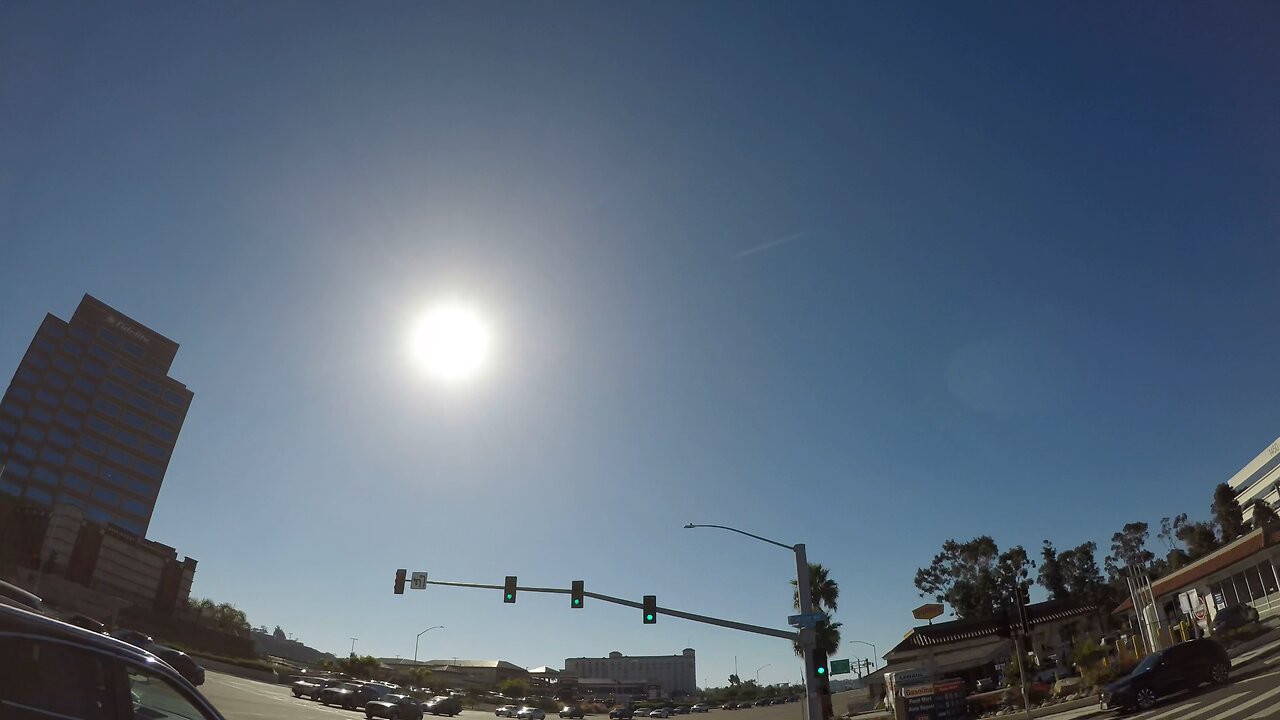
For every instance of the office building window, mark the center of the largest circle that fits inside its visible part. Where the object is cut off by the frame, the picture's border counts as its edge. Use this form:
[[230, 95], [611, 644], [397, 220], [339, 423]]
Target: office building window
[[108, 337], [84, 385], [83, 462], [175, 398], [139, 487], [93, 367], [10, 488], [67, 419], [77, 402], [50, 455], [81, 333], [38, 361], [21, 393], [154, 451], [129, 525], [167, 414], [163, 432], [75, 482], [44, 475], [134, 420], [8, 429], [35, 494], [17, 469], [64, 364], [104, 495], [11, 408], [151, 471], [92, 444], [26, 374], [39, 414], [128, 438], [133, 349], [148, 385], [24, 451], [59, 437], [97, 514], [133, 507], [106, 407], [44, 343], [120, 456], [100, 352], [31, 432], [71, 347], [113, 389], [47, 398], [99, 425], [122, 372], [142, 403], [115, 477], [65, 499]]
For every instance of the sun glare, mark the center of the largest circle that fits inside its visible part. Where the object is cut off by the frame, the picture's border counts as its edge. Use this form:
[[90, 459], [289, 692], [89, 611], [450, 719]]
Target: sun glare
[[452, 343]]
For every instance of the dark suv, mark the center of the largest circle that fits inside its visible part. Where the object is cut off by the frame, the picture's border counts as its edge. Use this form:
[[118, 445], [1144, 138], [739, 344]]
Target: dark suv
[[1178, 667], [54, 669]]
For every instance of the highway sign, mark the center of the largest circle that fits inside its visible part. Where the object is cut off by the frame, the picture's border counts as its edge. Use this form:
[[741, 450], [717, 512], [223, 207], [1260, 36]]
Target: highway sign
[[839, 667], [806, 619], [418, 581]]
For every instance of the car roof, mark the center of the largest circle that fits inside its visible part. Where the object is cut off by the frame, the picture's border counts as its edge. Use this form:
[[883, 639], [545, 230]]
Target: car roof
[[21, 621], [16, 594]]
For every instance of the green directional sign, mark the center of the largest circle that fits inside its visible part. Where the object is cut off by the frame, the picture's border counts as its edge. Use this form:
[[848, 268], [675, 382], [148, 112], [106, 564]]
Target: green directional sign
[[839, 667]]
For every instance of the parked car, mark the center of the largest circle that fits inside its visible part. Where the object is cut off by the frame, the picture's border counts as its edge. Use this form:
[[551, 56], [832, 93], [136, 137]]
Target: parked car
[[371, 691], [314, 693], [181, 662], [510, 711], [1233, 617], [343, 694], [444, 705], [394, 707], [762, 702], [528, 712], [660, 713], [680, 710], [571, 711], [1178, 667], [621, 713], [54, 669], [306, 686], [700, 708]]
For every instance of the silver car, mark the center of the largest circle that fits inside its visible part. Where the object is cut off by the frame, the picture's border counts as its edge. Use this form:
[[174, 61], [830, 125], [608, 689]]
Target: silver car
[[531, 713]]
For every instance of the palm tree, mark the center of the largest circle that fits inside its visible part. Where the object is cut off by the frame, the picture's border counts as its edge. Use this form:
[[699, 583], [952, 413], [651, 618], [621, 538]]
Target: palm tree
[[824, 592], [825, 595]]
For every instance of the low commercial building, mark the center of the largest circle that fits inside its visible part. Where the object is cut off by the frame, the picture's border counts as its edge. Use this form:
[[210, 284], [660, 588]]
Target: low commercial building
[[476, 673], [672, 675], [1241, 572], [972, 649]]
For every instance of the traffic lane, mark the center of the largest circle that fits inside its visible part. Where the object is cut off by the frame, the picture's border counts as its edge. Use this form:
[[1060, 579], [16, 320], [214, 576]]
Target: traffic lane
[[241, 699]]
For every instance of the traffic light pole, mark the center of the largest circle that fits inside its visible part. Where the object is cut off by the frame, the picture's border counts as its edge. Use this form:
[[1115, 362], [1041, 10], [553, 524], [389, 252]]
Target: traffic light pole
[[808, 639], [706, 619]]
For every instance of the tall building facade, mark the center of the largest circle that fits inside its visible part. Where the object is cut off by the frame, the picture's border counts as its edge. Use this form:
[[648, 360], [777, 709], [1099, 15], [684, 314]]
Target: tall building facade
[[674, 675], [91, 417]]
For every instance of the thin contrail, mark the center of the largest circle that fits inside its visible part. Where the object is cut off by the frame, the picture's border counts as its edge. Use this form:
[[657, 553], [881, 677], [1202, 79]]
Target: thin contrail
[[770, 245]]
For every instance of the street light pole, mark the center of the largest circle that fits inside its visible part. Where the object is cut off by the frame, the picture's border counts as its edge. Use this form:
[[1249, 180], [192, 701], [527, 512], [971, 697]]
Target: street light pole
[[808, 637], [758, 672], [871, 645], [415, 641], [353, 645]]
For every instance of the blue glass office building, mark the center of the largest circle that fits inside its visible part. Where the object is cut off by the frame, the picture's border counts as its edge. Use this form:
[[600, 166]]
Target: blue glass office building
[[91, 417]]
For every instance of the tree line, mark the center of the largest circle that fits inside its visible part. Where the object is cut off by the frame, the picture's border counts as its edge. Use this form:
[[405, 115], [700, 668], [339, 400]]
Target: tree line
[[973, 577]]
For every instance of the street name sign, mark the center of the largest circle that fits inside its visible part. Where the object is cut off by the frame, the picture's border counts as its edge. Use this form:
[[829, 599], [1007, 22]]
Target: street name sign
[[806, 619], [418, 581]]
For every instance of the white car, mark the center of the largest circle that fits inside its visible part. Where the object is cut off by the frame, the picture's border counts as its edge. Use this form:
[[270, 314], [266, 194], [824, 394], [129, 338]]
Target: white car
[[700, 707], [660, 713], [531, 713], [506, 711]]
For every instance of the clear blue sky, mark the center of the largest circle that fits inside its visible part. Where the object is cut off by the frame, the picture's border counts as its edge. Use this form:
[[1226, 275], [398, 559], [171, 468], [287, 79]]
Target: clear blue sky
[[1027, 289]]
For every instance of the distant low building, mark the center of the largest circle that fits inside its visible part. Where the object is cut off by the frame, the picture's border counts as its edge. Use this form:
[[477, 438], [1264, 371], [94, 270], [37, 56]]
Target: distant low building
[[475, 673], [672, 675]]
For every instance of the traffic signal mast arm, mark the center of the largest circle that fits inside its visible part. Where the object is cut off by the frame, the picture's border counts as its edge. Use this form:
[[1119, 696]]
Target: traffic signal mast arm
[[731, 624]]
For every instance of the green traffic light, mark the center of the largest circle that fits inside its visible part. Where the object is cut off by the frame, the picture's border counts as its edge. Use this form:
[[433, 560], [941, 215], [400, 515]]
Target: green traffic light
[[509, 596], [576, 601], [648, 617], [822, 670]]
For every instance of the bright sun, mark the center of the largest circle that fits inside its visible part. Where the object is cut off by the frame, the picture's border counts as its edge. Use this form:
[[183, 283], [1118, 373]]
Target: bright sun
[[452, 342]]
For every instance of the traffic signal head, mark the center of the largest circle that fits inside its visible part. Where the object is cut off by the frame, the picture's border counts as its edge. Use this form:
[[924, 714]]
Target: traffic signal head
[[400, 581], [820, 670], [509, 590], [575, 594], [650, 609]]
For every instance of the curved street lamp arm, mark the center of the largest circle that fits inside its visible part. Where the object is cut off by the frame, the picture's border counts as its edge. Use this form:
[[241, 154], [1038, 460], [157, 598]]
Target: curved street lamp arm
[[741, 532]]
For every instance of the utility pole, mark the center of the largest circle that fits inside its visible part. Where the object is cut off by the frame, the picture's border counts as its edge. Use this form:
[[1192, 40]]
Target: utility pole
[[353, 645]]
